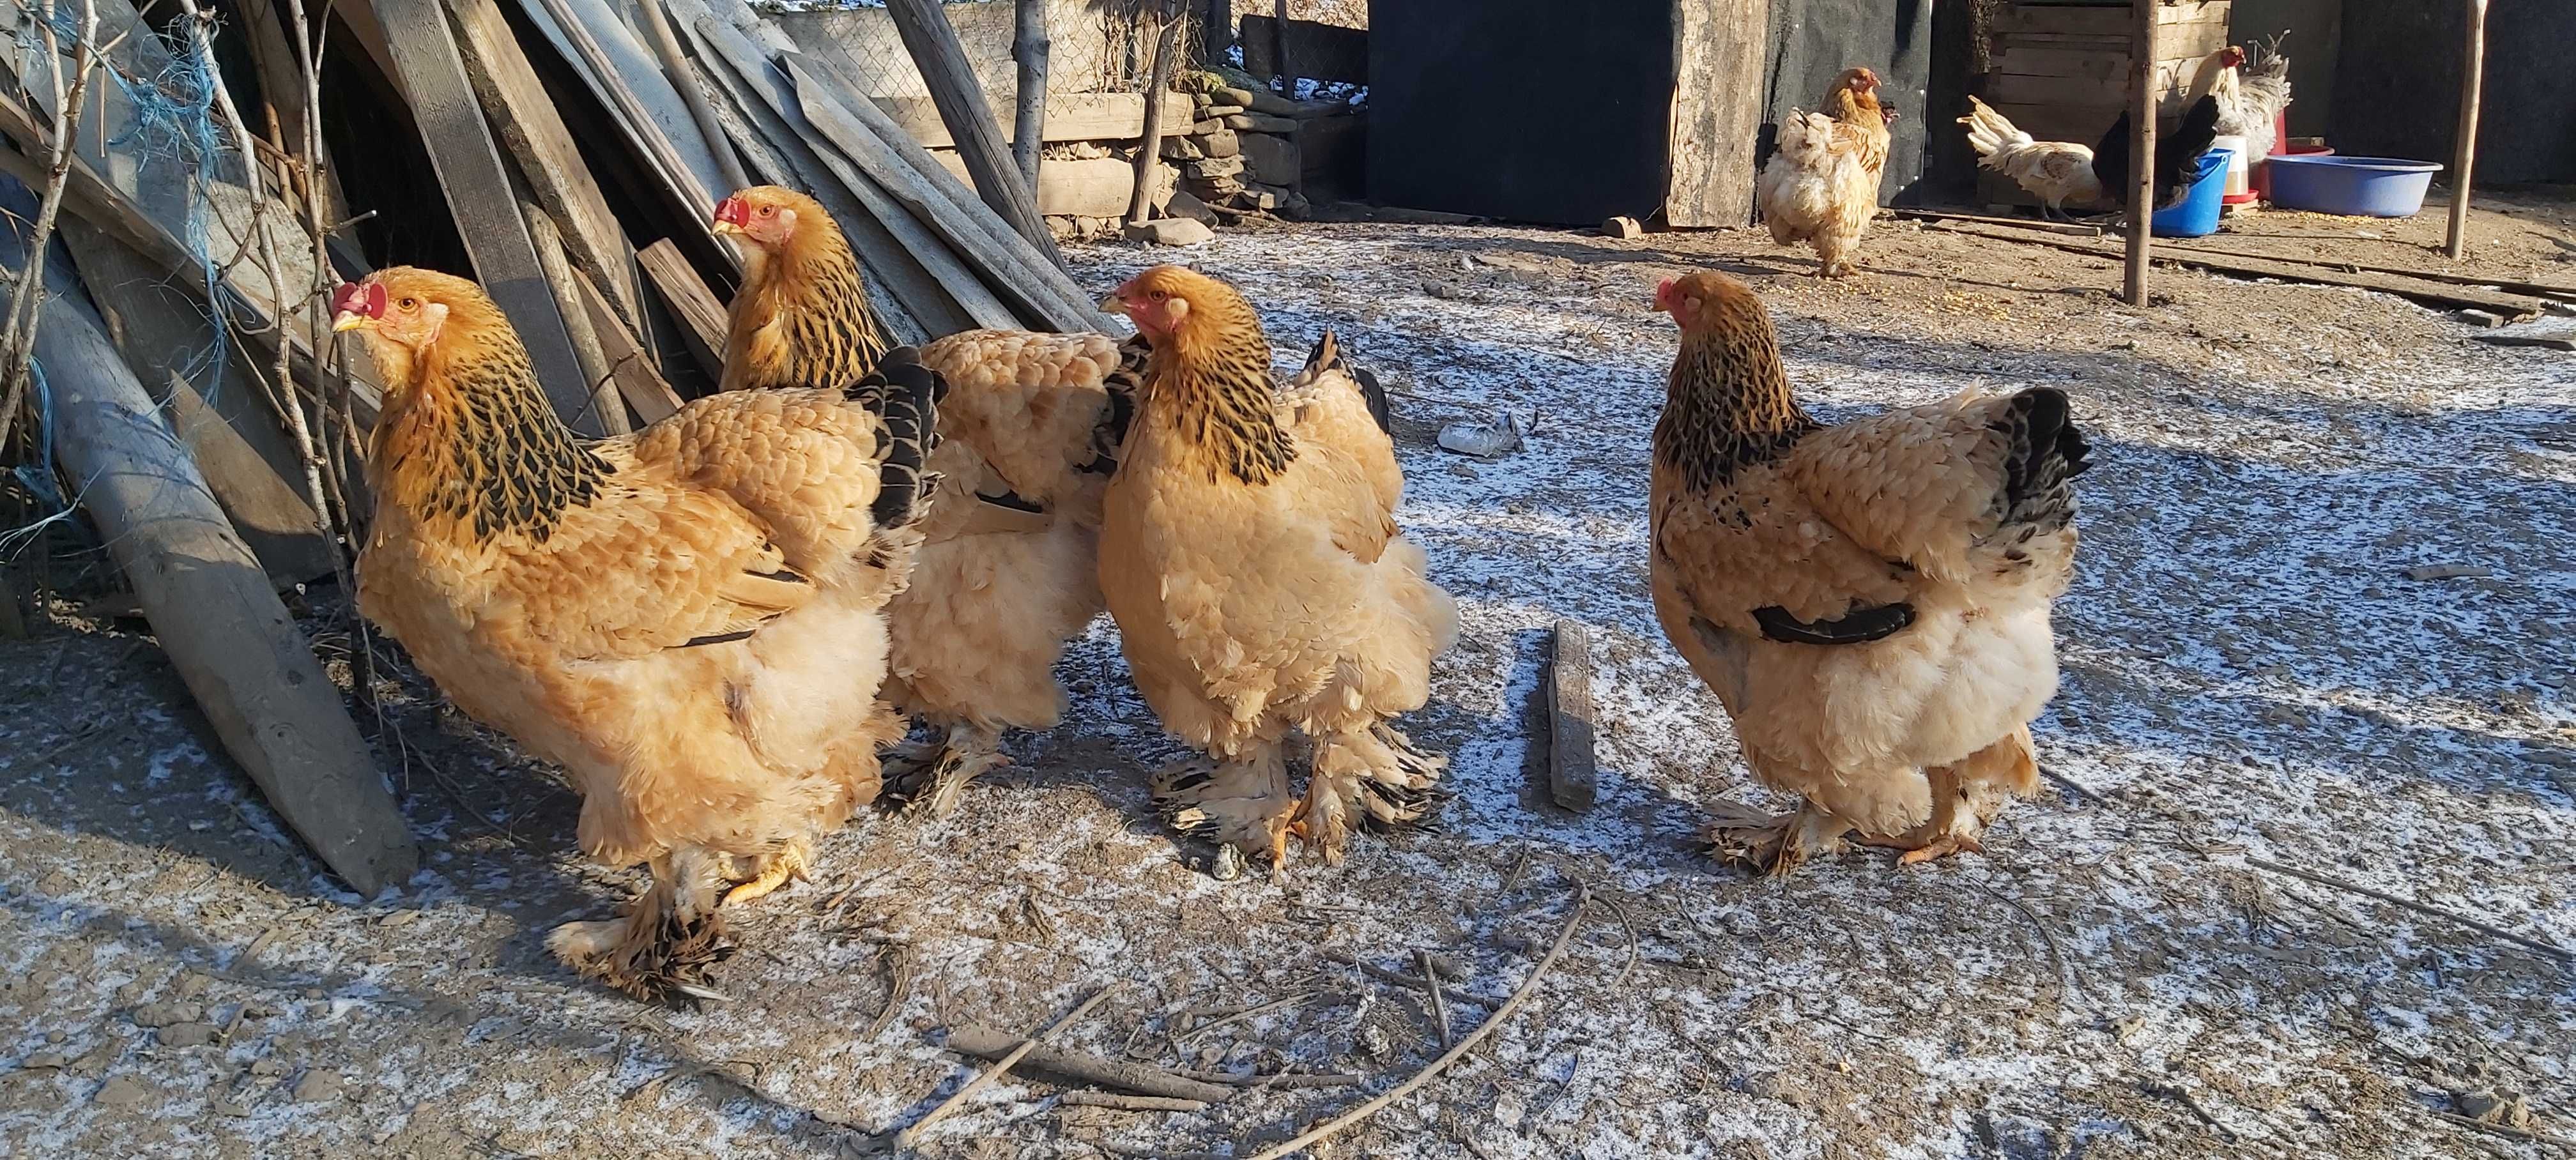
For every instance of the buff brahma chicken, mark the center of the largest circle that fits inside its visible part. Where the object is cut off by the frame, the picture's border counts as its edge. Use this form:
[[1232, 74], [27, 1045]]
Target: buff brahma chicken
[[1821, 187], [1869, 600], [1250, 555], [1027, 436], [690, 620]]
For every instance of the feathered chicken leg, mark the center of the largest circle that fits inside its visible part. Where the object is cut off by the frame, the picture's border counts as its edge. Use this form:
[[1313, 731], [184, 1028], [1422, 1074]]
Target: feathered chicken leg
[[928, 781], [666, 942], [789, 862], [1374, 777], [1243, 805], [1775, 845]]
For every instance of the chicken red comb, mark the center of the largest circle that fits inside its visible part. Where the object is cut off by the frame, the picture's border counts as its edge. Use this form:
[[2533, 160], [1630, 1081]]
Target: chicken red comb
[[356, 298], [734, 211]]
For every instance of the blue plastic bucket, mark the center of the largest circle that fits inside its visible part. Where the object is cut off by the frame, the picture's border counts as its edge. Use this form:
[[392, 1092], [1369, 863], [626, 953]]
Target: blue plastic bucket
[[2196, 216], [2361, 186]]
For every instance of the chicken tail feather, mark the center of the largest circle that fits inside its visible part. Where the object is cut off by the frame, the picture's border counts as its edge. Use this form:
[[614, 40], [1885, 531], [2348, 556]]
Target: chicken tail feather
[[907, 394], [2046, 451]]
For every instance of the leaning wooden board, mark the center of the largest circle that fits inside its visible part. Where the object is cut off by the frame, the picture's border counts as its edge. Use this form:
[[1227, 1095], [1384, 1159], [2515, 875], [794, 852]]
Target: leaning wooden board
[[2426, 291], [469, 169]]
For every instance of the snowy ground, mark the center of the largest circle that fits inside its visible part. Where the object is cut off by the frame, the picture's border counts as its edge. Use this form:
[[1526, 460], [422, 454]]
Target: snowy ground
[[2252, 679]]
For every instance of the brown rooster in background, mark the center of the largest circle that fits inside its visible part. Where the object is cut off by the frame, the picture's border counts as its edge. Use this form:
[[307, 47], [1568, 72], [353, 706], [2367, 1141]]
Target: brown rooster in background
[[1869, 600], [690, 619], [1821, 187], [1027, 436], [1250, 554]]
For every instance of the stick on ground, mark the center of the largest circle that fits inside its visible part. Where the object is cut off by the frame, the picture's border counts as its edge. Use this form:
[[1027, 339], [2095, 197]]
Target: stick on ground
[[1431, 984], [1529, 986], [987, 1043], [2562, 954], [1000, 1068], [1126, 1103]]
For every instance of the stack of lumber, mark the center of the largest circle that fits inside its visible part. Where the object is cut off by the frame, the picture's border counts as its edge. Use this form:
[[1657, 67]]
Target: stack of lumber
[[568, 154], [2061, 70]]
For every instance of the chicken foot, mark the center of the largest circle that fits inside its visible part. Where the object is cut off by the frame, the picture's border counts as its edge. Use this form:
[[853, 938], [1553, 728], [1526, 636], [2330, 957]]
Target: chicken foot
[[776, 869], [1375, 779], [1244, 806], [929, 781], [668, 939], [1961, 807], [1775, 845]]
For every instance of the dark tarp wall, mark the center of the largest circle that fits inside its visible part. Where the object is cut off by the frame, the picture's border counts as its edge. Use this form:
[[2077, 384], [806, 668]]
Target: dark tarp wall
[[2397, 90], [1530, 110], [1813, 41]]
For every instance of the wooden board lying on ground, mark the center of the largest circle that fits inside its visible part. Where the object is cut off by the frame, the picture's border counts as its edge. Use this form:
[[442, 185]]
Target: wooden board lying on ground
[[1069, 117], [1573, 779], [2424, 290]]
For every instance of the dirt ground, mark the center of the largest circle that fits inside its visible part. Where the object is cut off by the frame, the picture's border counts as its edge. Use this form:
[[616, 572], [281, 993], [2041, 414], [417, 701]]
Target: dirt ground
[[2255, 684]]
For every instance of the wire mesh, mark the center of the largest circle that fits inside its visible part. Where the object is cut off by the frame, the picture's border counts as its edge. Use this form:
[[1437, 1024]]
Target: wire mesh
[[1096, 46]]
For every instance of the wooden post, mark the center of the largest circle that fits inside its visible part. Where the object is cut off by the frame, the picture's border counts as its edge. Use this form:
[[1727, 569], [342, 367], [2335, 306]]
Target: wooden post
[[942, 60], [2142, 150], [468, 167], [1029, 46], [1149, 150], [212, 609], [1279, 49], [693, 93], [2464, 152]]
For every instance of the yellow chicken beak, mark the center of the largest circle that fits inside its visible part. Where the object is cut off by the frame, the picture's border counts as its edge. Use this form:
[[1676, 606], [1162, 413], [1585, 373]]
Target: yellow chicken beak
[[349, 320], [1114, 304], [721, 228]]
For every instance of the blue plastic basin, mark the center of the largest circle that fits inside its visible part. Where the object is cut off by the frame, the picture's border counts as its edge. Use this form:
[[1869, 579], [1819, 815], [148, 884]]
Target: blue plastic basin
[[2363, 186], [2196, 215]]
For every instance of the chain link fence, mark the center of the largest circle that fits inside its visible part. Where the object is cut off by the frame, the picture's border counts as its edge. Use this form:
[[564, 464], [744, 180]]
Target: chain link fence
[[1095, 46]]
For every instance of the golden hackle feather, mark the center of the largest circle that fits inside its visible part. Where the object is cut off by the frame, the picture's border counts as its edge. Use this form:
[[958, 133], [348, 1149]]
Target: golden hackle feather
[[802, 317]]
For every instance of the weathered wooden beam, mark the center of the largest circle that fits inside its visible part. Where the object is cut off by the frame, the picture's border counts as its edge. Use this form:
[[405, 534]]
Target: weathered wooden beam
[[629, 366], [607, 405], [211, 607], [468, 164], [908, 171], [645, 107], [693, 93], [515, 101], [2464, 150], [1573, 779], [701, 313], [1149, 151], [1029, 48], [932, 41], [912, 300], [2142, 151]]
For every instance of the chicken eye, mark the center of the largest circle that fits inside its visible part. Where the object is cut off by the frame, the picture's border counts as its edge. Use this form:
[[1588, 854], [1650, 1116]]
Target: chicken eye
[[411, 303], [1158, 295], [769, 211]]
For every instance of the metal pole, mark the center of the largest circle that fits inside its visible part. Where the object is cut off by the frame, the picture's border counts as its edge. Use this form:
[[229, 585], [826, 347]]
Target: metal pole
[[2464, 153], [2142, 148]]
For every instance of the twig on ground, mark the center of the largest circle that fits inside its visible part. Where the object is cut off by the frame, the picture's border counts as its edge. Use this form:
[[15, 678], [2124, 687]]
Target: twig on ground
[[1000, 1068], [2562, 954], [1126, 1103], [2072, 786], [2056, 955], [898, 989], [1621, 913], [1529, 986], [2191, 1100], [1398, 978], [1142, 1079], [1431, 985], [1236, 1016], [2501, 1129], [1286, 1079]]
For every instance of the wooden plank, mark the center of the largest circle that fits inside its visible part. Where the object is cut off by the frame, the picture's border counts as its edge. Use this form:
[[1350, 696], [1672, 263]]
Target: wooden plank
[[914, 300], [693, 93], [1149, 147], [211, 607], [629, 366], [1716, 118], [607, 404], [908, 172], [1572, 778], [2101, 19], [932, 41], [515, 101], [248, 460], [701, 313], [2416, 288], [468, 165], [646, 109], [1069, 117]]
